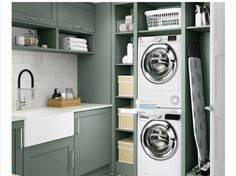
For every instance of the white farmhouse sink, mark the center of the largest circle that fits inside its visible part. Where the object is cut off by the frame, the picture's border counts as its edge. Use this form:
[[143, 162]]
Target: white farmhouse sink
[[44, 125]]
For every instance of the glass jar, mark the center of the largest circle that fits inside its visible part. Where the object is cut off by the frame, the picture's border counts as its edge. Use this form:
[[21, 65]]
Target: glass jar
[[31, 39]]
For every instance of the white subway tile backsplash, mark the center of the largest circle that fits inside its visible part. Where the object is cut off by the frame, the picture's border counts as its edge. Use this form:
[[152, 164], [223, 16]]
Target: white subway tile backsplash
[[50, 70]]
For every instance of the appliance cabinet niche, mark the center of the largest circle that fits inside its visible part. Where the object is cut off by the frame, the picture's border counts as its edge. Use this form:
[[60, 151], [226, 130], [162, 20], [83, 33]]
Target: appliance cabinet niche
[[54, 158], [17, 147], [36, 12], [76, 16], [92, 140]]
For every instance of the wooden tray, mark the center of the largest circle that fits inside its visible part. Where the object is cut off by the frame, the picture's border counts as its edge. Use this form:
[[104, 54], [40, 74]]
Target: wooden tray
[[64, 102]]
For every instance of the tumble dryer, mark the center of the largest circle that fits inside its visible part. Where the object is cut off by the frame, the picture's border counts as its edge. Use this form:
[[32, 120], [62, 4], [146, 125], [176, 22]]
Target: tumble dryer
[[159, 70], [159, 142]]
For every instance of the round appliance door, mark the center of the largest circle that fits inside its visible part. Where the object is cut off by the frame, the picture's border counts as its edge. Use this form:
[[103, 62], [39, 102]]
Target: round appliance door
[[159, 63], [159, 140]]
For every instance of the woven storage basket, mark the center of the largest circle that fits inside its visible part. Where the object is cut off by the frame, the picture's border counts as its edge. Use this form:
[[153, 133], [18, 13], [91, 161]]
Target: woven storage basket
[[126, 120], [126, 150], [64, 102], [126, 85]]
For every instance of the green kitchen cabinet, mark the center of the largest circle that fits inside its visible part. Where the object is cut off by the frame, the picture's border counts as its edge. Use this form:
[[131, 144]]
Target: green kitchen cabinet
[[92, 140], [54, 158], [76, 16], [17, 147], [36, 12]]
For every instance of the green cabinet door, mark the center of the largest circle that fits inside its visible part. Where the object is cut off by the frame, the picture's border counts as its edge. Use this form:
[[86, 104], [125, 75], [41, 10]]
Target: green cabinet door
[[36, 12], [17, 147], [76, 16], [92, 140], [50, 159]]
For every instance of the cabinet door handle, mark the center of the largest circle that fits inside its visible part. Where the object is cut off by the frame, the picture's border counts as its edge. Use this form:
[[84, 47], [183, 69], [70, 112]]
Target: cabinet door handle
[[78, 27], [77, 126], [35, 19], [31, 18], [71, 161], [19, 137], [209, 108]]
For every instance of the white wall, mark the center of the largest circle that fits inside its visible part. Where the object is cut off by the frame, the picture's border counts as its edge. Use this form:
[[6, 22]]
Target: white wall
[[50, 70]]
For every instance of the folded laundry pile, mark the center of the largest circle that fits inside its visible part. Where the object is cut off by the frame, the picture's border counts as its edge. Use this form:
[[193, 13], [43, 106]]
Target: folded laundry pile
[[72, 43]]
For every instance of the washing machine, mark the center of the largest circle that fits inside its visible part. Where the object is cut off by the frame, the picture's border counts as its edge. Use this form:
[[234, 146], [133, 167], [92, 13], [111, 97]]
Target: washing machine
[[159, 142], [159, 70]]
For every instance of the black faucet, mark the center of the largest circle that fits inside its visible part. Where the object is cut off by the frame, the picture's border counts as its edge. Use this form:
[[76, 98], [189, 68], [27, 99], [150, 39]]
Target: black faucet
[[23, 103], [31, 75]]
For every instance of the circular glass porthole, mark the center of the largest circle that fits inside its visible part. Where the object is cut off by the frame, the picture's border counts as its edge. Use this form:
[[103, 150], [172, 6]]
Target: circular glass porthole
[[159, 63], [159, 140]]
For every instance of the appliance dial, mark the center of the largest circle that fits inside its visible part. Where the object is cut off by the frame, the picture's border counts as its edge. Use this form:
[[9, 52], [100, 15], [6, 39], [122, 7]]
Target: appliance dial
[[158, 39], [175, 99]]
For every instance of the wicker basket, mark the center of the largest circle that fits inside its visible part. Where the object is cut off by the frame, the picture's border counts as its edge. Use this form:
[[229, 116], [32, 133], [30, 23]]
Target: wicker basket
[[126, 150], [64, 102], [163, 19], [126, 120], [126, 85]]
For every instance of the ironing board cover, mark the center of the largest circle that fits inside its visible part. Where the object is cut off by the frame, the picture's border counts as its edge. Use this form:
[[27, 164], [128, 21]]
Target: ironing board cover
[[198, 111]]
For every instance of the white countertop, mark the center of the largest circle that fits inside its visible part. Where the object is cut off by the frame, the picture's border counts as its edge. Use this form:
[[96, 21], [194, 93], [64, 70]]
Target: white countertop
[[17, 115]]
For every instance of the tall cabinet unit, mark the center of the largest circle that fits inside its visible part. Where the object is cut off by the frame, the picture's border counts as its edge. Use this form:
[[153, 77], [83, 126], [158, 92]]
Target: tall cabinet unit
[[199, 38], [120, 40]]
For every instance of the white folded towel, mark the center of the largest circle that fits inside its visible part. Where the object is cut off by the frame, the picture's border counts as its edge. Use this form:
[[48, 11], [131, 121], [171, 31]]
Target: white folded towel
[[73, 39], [68, 44], [75, 48]]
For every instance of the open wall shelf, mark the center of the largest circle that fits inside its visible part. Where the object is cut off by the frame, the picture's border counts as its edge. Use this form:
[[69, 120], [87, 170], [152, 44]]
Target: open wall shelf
[[160, 32], [126, 130], [199, 28], [124, 64], [49, 35], [129, 33], [50, 50]]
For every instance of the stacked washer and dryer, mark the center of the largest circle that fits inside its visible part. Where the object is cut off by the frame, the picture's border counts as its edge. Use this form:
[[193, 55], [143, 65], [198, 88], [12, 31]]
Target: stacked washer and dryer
[[159, 84]]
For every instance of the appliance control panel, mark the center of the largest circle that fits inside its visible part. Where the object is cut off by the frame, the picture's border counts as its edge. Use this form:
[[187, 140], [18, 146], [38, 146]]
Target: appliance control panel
[[172, 117]]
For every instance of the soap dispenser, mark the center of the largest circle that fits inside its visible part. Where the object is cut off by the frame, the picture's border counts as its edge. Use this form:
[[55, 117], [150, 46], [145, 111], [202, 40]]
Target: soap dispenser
[[56, 95], [198, 16]]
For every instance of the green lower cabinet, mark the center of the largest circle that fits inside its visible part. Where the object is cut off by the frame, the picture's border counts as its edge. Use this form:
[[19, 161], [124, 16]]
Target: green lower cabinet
[[50, 159], [17, 148], [92, 140]]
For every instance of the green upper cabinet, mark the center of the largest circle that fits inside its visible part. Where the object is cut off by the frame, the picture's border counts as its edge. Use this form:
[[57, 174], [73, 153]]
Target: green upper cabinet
[[92, 140], [76, 16], [36, 12], [17, 148], [54, 158]]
